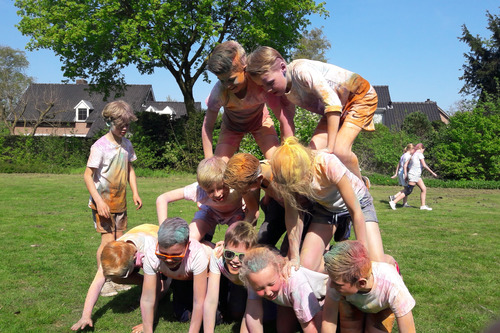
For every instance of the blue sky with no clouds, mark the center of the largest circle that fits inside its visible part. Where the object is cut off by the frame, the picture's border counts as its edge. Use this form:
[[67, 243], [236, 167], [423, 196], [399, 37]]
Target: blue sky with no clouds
[[411, 46]]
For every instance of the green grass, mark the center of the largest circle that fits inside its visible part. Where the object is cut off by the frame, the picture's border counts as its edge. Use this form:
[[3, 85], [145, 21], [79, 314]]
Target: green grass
[[449, 257]]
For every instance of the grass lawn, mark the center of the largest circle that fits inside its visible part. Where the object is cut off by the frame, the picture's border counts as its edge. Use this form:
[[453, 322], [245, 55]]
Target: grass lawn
[[449, 258]]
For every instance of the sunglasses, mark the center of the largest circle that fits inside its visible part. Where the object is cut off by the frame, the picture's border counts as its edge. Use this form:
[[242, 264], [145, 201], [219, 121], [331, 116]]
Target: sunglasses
[[166, 257], [229, 255]]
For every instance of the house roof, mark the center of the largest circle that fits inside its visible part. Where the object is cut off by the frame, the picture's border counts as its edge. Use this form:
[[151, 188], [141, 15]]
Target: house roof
[[395, 116], [384, 98], [65, 97]]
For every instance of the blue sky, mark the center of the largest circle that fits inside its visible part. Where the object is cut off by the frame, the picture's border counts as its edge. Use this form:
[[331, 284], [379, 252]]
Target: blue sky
[[411, 46]]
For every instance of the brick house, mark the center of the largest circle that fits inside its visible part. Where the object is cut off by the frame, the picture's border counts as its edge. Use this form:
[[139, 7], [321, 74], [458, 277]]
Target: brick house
[[71, 110]]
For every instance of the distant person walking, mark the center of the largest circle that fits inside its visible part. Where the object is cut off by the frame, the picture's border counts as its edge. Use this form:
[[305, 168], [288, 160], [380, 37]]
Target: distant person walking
[[400, 172], [413, 172]]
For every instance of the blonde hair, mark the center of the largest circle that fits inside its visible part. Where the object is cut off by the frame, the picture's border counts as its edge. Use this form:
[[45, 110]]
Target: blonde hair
[[222, 59], [118, 111], [242, 170], [241, 233], [258, 258], [408, 147], [292, 166], [210, 170], [262, 60], [117, 258], [348, 261]]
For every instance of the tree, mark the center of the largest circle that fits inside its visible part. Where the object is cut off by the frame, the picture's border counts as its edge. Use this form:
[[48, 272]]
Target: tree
[[13, 82], [482, 68], [97, 39], [312, 45], [417, 126]]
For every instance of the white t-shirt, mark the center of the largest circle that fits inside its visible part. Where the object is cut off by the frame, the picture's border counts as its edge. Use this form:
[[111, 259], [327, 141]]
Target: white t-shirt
[[304, 291], [217, 266], [194, 263], [231, 206], [388, 291], [111, 176], [328, 171], [415, 167], [145, 238]]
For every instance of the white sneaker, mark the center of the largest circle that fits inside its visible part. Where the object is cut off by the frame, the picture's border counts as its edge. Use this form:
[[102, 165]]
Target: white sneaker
[[108, 289], [121, 287], [393, 205], [406, 205], [425, 207]]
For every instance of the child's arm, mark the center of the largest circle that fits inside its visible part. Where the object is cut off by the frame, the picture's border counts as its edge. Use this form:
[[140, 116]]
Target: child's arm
[[252, 206], [163, 200], [148, 300], [294, 226], [211, 300], [207, 132], [406, 323], [332, 122], [284, 112], [199, 293], [90, 300], [132, 180], [405, 169], [330, 316], [358, 219], [424, 165], [102, 207], [254, 315], [397, 170]]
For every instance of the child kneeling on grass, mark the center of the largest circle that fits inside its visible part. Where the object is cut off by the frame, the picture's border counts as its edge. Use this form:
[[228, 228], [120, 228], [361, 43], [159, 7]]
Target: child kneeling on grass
[[303, 291], [226, 260], [368, 294], [218, 204], [121, 261]]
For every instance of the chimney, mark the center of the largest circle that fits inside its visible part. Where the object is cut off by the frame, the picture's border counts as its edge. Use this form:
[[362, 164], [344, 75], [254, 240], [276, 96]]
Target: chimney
[[81, 81]]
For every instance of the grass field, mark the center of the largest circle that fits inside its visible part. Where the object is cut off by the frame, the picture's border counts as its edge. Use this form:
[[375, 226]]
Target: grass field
[[449, 258]]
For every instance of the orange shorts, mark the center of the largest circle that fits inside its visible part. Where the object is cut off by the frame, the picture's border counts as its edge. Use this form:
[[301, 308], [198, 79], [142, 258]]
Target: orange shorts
[[360, 112], [103, 225]]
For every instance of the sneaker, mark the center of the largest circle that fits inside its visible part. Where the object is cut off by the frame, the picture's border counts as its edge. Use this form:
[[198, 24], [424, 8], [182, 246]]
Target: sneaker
[[393, 205], [366, 181], [425, 207], [392, 197], [108, 289], [121, 287], [406, 205]]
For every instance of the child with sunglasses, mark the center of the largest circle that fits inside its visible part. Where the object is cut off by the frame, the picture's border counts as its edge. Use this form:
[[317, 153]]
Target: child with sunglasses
[[226, 260], [121, 261], [303, 291], [218, 204], [182, 259]]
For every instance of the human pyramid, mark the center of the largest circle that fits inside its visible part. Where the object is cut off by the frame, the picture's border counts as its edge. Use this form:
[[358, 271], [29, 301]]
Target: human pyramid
[[314, 194]]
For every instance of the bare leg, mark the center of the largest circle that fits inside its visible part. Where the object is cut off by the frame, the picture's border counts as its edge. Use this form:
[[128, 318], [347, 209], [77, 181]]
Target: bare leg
[[374, 240], [105, 239], [225, 151], [315, 242], [423, 194]]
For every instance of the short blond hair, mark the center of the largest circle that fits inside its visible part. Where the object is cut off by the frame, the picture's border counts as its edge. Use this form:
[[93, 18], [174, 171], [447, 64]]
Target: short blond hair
[[118, 111], [210, 171], [292, 168], [242, 170], [222, 59], [241, 233], [262, 60], [117, 258]]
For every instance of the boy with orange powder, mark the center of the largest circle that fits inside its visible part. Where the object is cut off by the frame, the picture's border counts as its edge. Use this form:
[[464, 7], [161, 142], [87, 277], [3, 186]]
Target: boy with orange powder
[[368, 294], [346, 101], [244, 104], [108, 169]]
